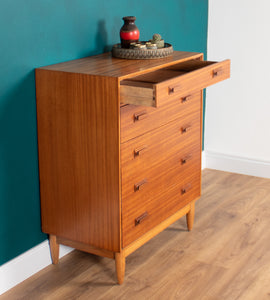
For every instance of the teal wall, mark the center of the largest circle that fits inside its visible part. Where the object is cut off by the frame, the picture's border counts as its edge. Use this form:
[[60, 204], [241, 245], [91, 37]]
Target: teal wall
[[35, 33]]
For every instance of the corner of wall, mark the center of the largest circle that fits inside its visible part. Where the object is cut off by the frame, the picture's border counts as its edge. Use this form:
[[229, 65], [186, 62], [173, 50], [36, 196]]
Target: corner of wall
[[26, 265]]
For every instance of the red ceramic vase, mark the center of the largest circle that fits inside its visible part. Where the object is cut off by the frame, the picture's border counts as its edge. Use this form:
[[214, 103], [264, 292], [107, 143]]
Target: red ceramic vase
[[129, 33]]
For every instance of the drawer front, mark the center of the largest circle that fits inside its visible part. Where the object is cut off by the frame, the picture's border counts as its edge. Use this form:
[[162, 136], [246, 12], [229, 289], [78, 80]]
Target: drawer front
[[145, 211], [194, 79], [160, 174], [176, 143], [154, 88], [137, 120], [167, 173]]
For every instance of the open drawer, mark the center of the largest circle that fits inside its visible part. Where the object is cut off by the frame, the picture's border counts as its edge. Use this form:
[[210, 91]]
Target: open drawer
[[157, 87]]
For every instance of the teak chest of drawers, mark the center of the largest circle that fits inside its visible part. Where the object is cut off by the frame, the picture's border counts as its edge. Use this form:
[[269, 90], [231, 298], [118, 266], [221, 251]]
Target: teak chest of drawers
[[120, 149]]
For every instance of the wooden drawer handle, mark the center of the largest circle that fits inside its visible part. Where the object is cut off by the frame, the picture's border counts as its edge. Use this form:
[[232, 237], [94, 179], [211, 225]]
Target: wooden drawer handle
[[140, 116], [186, 99], [138, 186], [186, 188], [185, 159], [174, 89], [138, 151], [185, 128], [217, 72], [139, 219]]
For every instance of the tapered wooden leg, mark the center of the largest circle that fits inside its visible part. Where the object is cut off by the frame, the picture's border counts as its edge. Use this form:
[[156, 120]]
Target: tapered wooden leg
[[54, 248], [120, 264], [190, 216]]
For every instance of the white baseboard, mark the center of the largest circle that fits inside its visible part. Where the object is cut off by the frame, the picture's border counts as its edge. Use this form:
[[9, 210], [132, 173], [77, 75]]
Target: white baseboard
[[203, 160], [26, 265], [236, 164]]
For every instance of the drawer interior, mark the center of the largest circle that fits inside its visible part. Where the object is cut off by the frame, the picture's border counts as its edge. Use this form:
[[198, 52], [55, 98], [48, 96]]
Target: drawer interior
[[168, 73]]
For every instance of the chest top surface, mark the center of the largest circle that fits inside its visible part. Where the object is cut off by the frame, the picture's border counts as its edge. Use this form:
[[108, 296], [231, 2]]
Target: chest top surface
[[106, 65]]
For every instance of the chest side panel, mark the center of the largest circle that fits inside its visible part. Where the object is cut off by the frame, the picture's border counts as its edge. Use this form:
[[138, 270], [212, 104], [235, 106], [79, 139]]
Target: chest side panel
[[78, 139]]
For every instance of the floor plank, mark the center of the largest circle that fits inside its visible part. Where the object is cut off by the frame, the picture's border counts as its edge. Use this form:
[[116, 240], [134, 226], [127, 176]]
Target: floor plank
[[225, 257]]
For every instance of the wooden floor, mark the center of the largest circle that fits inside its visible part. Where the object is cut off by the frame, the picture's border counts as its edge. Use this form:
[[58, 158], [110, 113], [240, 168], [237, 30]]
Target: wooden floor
[[225, 256]]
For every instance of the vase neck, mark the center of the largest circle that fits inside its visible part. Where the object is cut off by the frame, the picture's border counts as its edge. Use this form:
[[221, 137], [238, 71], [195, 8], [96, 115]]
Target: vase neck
[[129, 20]]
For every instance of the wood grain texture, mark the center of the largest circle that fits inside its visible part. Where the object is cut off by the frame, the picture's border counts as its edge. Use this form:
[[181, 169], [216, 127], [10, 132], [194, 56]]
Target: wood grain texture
[[164, 175], [176, 107], [106, 65], [190, 216], [85, 247], [156, 230], [78, 138], [90, 198], [54, 249], [161, 144], [158, 203], [156, 168], [120, 264], [226, 256], [178, 80], [192, 80], [141, 95]]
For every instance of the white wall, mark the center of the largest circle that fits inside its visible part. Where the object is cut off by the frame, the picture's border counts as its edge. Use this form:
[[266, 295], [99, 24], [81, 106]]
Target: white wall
[[238, 110]]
